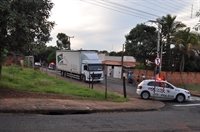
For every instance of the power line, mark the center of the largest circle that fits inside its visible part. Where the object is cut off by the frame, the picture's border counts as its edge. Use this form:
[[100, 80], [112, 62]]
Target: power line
[[157, 5], [146, 6], [177, 5], [168, 4], [115, 10], [131, 8], [115, 6]]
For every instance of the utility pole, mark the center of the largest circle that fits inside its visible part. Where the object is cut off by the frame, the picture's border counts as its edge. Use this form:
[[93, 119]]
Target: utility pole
[[122, 62], [158, 47]]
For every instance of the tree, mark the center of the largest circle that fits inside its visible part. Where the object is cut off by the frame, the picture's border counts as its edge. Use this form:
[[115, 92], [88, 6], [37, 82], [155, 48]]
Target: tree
[[44, 54], [112, 53], [103, 52], [22, 23], [52, 57], [141, 43], [63, 41], [168, 30], [37, 49], [187, 43]]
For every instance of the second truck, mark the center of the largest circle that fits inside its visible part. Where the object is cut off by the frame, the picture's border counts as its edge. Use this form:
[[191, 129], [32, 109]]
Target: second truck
[[80, 64]]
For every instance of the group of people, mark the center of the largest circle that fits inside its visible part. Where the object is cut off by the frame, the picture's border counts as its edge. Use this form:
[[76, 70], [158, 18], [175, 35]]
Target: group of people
[[130, 78]]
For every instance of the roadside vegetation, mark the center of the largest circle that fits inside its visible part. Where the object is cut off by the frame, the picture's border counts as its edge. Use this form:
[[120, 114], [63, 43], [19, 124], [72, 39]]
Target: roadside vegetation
[[193, 87], [16, 77]]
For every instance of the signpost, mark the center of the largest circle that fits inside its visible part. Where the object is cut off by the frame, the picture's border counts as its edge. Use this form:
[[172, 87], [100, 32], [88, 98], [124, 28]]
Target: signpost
[[157, 61]]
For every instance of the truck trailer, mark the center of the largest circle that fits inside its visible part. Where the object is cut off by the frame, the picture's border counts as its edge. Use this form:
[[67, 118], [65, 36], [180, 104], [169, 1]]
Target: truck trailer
[[80, 64]]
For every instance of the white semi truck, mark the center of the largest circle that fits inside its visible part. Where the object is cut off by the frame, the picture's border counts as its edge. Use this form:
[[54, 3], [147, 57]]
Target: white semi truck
[[80, 64]]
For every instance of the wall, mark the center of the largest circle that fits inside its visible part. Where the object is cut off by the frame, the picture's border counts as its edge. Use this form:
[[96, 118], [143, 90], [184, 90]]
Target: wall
[[13, 60], [104, 57], [172, 77]]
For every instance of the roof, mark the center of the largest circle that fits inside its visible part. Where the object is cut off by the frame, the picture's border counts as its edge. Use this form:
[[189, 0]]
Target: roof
[[119, 63]]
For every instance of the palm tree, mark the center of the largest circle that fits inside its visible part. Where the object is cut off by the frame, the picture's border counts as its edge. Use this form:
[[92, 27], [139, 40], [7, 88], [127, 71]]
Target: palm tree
[[187, 43], [169, 28]]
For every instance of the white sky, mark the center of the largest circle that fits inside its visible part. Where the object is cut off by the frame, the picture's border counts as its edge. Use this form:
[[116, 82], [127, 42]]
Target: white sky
[[95, 27]]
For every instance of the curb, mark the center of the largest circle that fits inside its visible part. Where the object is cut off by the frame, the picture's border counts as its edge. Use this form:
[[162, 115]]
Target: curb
[[67, 112]]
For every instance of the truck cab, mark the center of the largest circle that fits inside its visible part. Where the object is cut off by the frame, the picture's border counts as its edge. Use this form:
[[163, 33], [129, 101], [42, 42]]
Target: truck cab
[[92, 71]]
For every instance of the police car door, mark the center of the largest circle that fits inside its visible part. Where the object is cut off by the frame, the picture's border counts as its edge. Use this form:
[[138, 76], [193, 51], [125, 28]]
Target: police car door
[[170, 91], [160, 90]]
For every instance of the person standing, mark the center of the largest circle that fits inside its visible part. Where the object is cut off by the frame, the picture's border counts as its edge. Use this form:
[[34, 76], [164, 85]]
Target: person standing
[[138, 79], [163, 78], [110, 72], [143, 77], [130, 78]]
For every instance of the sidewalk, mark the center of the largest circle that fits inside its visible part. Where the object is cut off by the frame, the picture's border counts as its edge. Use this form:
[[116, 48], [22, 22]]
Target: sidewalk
[[58, 106]]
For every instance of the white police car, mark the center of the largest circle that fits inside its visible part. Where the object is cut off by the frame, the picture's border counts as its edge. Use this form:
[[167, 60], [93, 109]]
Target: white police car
[[163, 89]]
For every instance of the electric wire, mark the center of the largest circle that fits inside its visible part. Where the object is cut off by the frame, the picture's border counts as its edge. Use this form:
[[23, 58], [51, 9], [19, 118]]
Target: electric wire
[[168, 4], [158, 5], [115, 6], [125, 8], [145, 6], [128, 10], [115, 10], [131, 8]]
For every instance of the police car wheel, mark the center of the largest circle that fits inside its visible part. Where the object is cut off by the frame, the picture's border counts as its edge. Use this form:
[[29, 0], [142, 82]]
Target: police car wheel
[[145, 95], [180, 98]]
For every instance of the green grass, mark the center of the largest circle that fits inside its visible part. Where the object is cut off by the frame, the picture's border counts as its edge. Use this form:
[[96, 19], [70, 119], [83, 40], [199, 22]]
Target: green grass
[[32, 80], [191, 86]]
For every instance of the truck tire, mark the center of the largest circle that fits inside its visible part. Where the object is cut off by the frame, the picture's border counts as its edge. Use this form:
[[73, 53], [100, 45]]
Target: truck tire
[[61, 73]]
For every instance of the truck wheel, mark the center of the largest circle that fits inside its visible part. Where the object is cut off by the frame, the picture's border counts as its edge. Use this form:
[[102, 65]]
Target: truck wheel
[[61, 73], [83, 78]]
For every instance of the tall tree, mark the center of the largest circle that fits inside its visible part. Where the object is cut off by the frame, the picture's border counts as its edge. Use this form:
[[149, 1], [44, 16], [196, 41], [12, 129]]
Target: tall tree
[[63, 41], [23, 22], [187, 43], [168, 29], [141, 43]]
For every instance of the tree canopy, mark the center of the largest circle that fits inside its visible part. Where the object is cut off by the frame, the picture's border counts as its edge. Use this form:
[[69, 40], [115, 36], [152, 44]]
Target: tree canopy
[[63, 41], [141, 43], [23, 23]]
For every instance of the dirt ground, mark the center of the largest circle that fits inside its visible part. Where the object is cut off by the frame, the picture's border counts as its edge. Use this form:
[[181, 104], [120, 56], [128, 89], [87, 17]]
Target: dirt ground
[[14, 93]]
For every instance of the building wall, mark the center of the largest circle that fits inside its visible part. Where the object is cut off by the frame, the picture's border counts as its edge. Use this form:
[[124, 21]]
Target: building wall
[[104, 57], [13, 60], [172, 77]]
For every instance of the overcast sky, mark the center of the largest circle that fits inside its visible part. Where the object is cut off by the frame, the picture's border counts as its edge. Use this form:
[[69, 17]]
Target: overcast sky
[[102, 24]]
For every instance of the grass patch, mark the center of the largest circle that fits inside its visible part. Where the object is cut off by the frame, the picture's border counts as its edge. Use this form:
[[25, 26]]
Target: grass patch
[[190, 86], [33, 80]]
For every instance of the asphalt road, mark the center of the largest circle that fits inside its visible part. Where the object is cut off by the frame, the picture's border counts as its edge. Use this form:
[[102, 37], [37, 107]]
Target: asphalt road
[[169, 119]]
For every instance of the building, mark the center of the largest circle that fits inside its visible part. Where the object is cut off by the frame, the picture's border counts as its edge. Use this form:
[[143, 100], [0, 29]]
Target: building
[[115, 65]]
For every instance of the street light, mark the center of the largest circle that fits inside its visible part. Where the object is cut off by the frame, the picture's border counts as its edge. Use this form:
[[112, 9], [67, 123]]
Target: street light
[[69, 40]]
